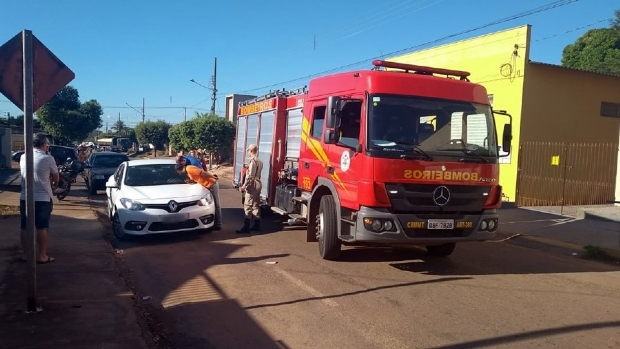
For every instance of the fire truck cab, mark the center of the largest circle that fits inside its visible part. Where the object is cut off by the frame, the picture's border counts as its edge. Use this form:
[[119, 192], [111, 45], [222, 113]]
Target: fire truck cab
[[400, 155]]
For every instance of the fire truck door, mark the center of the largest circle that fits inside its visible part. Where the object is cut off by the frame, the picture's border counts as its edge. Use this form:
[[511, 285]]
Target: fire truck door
[[346, 163]]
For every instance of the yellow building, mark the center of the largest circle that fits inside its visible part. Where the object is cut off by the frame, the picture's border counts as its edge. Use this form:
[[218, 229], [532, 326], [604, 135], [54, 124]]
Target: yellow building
[[566, 122]]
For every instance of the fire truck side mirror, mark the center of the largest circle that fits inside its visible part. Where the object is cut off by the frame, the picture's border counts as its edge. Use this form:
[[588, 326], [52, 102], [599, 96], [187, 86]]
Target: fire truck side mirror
[[330, 136], [332, 112], [507, 138]]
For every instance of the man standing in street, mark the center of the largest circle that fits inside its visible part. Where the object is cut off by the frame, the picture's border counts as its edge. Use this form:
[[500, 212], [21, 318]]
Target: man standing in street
[[207, 180], [45, 175], [252, 187]]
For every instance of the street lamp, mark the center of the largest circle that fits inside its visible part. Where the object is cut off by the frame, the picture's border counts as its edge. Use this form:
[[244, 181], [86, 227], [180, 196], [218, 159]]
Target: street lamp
[[199, 84]]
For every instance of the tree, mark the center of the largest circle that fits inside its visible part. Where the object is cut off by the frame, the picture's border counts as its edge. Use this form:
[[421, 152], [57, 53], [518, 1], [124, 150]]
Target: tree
[[153, 132], [182, 136], [598, 50], [119, 127], [67, 119], [615, 23], [213, 133], [206, 131]]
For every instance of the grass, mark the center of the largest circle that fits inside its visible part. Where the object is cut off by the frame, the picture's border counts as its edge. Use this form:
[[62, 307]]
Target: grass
[[595, 252], [8, 211]]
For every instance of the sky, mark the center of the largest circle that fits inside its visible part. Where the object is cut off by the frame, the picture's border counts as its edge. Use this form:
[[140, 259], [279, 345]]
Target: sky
[[125, 51]]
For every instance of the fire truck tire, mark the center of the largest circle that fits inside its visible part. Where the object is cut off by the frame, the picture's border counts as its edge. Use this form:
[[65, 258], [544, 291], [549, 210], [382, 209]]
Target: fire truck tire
[[441, 250], [327, 229]]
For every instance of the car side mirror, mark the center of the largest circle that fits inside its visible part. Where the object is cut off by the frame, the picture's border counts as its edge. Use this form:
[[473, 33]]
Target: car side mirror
[[111, 183], [507, 138]]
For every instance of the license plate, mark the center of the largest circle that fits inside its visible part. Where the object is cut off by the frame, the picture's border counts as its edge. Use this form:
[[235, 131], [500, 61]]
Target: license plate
[[174, 218], [440, 224]]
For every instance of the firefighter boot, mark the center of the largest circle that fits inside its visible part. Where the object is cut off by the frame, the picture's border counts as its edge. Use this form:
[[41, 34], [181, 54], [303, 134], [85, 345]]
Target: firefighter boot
[[256, 225], [246, 227]]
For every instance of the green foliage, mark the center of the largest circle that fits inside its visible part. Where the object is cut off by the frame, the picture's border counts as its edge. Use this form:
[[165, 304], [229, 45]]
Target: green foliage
[[67, 119], [153, 132], [615, 23], [18, 120], [204, 131], [598, 50], [213, 133]]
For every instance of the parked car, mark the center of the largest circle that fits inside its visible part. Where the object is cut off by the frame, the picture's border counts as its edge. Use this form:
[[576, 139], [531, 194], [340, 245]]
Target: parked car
[[150, 197], [59, 152], [99, 167]]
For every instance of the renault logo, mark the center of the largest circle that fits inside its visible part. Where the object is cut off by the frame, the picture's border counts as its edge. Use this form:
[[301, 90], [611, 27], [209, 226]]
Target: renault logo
[[172, 205], [441, 196]]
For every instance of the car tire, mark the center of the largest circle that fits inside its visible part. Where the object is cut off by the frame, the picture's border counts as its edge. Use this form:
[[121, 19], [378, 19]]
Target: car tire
[[117, 231]]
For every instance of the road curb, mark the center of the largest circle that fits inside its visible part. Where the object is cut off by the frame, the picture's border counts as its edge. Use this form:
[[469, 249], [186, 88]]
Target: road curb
[[612, 253]]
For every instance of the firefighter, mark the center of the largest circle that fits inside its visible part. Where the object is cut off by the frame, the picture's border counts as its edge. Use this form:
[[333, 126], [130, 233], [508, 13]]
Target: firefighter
[[252, 187]]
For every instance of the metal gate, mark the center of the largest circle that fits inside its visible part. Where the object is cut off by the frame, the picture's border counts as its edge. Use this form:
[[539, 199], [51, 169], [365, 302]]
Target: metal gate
[[566, 174]]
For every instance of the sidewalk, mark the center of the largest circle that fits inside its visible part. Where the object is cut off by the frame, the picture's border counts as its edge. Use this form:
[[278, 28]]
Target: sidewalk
[[85, 302], [561, 231]]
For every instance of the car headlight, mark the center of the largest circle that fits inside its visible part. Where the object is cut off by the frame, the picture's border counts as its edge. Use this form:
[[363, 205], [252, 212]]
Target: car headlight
[[132, 205], [207, 200]]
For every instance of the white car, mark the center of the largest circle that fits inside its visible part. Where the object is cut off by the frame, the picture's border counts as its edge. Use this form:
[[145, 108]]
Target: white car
[[150, 197]]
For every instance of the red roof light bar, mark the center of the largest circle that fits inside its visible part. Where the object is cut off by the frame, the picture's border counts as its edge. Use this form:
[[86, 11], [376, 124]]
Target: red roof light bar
[[420, 69]]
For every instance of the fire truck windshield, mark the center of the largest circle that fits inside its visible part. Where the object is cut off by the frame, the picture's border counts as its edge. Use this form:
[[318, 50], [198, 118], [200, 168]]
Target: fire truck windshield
[[403, 125]]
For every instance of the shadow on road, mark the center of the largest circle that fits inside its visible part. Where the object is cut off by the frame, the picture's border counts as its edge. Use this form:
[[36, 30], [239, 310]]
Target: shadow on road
[[531, 335], [210, 318]]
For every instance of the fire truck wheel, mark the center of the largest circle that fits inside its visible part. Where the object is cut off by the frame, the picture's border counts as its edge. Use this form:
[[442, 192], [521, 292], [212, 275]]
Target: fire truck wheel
[[327, 229], [441, 250]]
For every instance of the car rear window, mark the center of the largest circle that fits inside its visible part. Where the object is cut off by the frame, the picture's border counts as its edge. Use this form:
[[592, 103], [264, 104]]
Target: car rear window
[[109, 160]]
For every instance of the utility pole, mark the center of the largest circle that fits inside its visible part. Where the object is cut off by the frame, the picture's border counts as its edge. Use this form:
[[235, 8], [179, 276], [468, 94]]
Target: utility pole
[[185, 113], [118, 126], [142, 109], [214, 88]]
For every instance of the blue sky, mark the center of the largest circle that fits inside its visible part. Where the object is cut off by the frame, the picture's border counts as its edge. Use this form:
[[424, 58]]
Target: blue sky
[[124, 51]]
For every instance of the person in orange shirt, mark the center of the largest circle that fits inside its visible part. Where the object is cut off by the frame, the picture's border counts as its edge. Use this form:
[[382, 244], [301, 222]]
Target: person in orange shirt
[[207, 180]]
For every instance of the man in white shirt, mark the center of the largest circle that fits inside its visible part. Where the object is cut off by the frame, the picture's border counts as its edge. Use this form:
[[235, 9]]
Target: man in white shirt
[[45, 174]]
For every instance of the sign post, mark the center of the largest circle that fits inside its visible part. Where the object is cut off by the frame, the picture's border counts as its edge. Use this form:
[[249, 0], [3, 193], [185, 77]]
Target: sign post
[[30, 75], [28, 136]]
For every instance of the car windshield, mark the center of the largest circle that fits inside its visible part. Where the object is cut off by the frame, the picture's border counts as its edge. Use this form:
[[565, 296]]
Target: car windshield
[[400, 126], [152, 174], [109, 161]]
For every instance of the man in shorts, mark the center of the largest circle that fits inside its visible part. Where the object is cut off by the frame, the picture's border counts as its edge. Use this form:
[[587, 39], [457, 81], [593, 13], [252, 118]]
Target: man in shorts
[[45, 175]]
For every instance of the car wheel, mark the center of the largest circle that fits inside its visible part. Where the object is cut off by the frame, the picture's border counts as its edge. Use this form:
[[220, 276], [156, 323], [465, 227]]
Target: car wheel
[[117, 229]]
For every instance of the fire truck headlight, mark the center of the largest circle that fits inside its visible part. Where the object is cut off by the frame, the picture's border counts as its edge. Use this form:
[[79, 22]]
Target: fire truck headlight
[[388, 225], [376, 225], [483, 225]]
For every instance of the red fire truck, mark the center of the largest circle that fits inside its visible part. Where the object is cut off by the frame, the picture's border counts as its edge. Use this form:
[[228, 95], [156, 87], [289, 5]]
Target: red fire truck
[[399, 155]]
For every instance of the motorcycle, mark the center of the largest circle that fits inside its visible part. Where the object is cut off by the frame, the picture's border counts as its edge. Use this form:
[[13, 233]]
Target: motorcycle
[[68, 173]]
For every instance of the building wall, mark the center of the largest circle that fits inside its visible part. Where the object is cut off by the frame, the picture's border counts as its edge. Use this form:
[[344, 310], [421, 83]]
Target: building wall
[[572, 151], [232, 102], [496, 61]]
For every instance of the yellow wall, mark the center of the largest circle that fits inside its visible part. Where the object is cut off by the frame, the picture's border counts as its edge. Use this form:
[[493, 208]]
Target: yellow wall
[[492, 62], [563, 105]]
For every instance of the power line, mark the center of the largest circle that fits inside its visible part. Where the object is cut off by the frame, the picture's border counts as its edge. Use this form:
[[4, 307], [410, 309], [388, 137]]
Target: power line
[[574, 29], [536, 10]]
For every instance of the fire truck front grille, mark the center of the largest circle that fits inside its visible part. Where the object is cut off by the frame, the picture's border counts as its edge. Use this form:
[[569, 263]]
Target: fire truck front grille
[[433, 198]]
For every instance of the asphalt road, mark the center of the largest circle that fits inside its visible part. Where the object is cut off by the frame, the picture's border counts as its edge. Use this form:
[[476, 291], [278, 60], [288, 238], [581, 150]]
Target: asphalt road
[[222, 290]]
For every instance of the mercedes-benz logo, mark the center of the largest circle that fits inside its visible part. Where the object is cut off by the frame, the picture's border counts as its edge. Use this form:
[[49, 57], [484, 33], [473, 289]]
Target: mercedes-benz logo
[[441, 196], [172, 205]]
